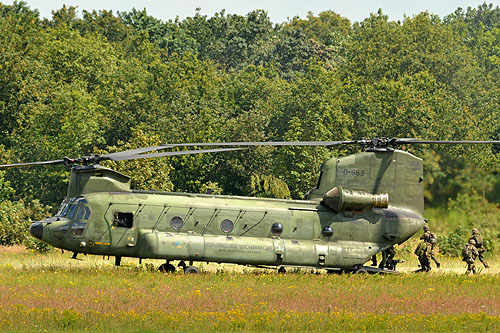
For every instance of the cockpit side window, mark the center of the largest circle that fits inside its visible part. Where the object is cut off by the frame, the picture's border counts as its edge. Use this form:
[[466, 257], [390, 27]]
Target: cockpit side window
[[77, 228], [80, 214], [87, 213], [71, 211]]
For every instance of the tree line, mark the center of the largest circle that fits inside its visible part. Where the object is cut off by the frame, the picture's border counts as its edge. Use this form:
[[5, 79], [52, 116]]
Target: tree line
[[97, 82]]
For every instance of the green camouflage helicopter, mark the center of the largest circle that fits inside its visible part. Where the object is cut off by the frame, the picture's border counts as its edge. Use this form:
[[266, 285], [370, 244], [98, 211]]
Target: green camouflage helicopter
[[362, 204]]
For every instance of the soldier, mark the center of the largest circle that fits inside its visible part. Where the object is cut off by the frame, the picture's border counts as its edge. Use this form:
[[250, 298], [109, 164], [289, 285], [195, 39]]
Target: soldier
[[469, 254], [427, 234], [423, 253], [479, 246], [387, 258], [434, 248], [391, 253]]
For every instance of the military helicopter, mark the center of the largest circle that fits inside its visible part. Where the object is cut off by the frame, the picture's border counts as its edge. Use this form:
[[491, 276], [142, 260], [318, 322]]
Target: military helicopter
[[362, 204]]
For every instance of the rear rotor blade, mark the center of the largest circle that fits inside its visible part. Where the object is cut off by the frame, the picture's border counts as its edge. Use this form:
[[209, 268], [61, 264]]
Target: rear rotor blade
[[443, 142]]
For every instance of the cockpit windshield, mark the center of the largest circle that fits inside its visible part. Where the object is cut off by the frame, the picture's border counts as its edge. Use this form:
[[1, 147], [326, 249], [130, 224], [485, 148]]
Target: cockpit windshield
[[75, 208]]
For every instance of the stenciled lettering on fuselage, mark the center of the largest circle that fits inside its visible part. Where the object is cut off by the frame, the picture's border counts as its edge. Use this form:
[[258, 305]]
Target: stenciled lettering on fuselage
[[239, 248]]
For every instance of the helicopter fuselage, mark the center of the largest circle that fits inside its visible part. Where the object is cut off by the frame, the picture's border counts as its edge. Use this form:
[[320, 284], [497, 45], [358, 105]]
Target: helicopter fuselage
[[102, 216], [240, 230]]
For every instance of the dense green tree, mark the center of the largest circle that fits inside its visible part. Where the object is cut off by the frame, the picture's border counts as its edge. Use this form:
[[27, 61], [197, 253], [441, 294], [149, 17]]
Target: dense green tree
[[101, 81]]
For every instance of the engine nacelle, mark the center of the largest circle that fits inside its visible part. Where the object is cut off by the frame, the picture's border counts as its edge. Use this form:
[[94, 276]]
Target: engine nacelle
[[340, 200]]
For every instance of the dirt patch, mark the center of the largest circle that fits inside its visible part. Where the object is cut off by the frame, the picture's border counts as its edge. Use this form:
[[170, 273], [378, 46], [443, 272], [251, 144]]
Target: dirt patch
[[12, 249]]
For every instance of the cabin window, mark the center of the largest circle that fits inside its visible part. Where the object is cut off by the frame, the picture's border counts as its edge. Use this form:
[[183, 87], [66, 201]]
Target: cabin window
[[327, 231], [123, 220], [176, 222], [227, 226], [277, 229]]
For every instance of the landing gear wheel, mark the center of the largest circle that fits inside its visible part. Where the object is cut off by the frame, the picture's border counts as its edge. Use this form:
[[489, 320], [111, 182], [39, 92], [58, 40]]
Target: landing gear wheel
[[191, 270], [167, 268], [361, 271], [281, 270]]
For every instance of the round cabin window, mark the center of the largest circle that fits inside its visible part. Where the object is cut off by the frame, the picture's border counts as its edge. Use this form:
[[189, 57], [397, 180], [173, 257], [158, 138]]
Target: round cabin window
[[176, 222], [327, 231], [227, 226], [277, 229]]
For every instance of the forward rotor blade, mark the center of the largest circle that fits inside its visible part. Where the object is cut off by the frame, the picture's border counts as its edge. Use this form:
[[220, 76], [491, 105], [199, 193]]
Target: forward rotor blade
[[19, 165], [169, 153], [114, 156], [265, 143], [131, 152]]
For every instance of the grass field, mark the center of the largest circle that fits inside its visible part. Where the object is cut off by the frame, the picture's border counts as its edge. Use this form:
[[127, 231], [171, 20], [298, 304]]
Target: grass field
[[53, 292]]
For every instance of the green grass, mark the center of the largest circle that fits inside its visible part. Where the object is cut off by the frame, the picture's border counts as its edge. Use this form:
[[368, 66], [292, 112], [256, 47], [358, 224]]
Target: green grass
[[53, 292]]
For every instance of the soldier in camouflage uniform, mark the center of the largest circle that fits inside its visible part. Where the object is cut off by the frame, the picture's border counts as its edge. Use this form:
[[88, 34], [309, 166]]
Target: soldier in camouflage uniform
[[423, 253], [479, 246], [391, 253], [469, 254], [434, 248], [427, 236]]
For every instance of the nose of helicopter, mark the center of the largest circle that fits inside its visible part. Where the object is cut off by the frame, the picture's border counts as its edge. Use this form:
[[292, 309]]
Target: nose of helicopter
[[36, 230]]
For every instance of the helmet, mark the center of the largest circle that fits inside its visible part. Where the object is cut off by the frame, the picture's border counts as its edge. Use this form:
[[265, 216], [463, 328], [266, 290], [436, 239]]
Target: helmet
[[472, 241], [426, 228], [433, 235], [475, 231]]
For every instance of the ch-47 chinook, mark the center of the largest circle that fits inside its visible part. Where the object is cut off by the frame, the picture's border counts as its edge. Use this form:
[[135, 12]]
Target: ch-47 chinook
[[362, 204]]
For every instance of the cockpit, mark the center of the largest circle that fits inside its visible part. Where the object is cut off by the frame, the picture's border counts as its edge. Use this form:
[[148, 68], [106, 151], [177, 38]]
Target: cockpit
[[75, 209]]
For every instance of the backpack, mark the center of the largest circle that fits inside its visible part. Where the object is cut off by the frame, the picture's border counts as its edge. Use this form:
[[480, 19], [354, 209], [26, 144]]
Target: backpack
[[466, 253], [420, 250]]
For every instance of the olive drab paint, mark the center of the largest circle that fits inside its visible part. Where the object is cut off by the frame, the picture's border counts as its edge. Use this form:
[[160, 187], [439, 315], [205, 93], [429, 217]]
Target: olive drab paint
[[363, 204]]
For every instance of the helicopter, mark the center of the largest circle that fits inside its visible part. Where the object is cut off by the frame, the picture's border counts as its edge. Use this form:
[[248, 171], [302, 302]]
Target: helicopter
[[362, 204]]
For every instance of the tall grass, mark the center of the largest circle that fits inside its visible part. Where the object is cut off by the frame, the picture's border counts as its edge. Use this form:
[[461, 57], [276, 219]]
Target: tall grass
[[51, 292]]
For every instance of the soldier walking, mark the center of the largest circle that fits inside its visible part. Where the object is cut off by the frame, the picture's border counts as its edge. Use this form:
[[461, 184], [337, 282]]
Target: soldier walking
[[479, 246], [469, 254], [431, 238], [423, 253], [427, 233], [434, 249]]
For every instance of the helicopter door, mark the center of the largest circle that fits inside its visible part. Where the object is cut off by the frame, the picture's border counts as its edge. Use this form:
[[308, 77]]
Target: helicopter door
[[123, 232]]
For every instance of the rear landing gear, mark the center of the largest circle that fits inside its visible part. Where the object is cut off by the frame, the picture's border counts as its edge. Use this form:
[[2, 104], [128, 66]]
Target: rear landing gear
[[281, 270], [191, 270], [167, 268]]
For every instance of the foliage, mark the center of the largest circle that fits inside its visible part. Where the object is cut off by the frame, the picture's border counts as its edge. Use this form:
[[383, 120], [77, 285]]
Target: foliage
[[452, 244], [102, 82], [269, 186], [15, 219]]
